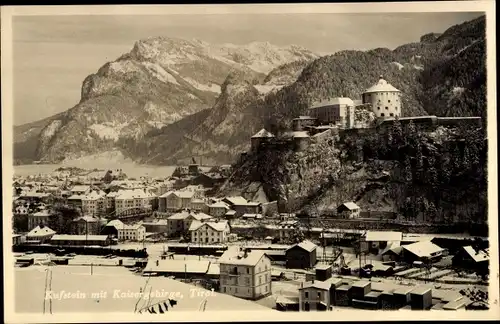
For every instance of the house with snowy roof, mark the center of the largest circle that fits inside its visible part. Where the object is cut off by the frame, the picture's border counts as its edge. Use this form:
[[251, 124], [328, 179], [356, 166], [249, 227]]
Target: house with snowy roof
[[176, 200], [40, 234], [245, 274], [424, 251], [349, 210], [209, 232], [301, 256], [181, 221]]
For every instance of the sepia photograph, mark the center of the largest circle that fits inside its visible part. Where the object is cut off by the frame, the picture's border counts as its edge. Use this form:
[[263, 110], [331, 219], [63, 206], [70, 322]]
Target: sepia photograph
[[280, 161]]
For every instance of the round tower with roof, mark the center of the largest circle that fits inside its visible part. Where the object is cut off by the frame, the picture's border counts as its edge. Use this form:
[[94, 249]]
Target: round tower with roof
[[384, 99]]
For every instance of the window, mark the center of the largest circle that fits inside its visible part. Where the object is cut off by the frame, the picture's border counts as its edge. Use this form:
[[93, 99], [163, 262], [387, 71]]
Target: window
[[248, 270], [306, 294], [319, 295], [378, 108], [236, 290], [266, 288], [306, 307], [260, 280], [224, 289], [389, 100], [386, 108], [396, 107], [391, 114], [382, 114]]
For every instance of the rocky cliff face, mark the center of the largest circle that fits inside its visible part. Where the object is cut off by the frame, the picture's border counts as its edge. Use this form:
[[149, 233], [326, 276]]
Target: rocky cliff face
[[159, 82]]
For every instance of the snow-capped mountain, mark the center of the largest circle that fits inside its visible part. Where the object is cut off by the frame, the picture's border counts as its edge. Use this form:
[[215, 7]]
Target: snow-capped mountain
[[160, 81]]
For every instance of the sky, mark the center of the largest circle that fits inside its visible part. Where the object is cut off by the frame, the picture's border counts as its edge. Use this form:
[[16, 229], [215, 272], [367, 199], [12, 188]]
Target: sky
[[52, 55]]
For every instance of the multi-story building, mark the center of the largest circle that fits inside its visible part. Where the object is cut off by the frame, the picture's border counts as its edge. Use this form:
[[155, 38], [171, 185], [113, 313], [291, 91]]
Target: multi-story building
[[40, 218], [209, 232], [315, 295], [94, 203], [175, 200], [80, 190], [86, 225], [131, 232], [180, 222], [337, 111], [218, 209], [384, 99], [129, 202], [245, 274]]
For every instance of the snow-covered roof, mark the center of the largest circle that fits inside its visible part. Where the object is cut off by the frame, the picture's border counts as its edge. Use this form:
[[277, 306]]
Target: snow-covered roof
[[67, 237], [234, 256], [477, 256], [80, 188], [323, 285], [94, 195], [381, 86], [378, 236], [116, 223], [130, 227], [238, 200], [306, 245], [132, 194], [43, 213], [423, 248], [219, 204], [263, 133], [41, 231], [180, 266], [350, 205], [219, 226], [333, 102]]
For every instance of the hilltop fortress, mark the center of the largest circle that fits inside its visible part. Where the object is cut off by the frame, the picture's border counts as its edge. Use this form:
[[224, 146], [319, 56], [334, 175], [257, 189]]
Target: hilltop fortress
[[380, 106]]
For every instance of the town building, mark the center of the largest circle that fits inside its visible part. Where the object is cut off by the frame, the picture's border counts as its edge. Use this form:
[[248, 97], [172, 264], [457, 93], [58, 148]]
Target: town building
[[241, 206], [111, 228], [156, 226], [130, 202], [179, 223], [470, 258], [40, 218], [384, 99], [40, 235], [245, 274], [315, 296], [336, 111], [349, 210], [382, 241], [218, 209], [80, 240], [209, 232], [94, 203], [135, 232], [86, 225], [301, 256], [175, 200], [424, 251], [80, 190]]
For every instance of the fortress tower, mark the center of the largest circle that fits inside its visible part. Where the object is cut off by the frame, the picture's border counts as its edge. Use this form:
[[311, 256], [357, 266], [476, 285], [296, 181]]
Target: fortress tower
[[384, 99]]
